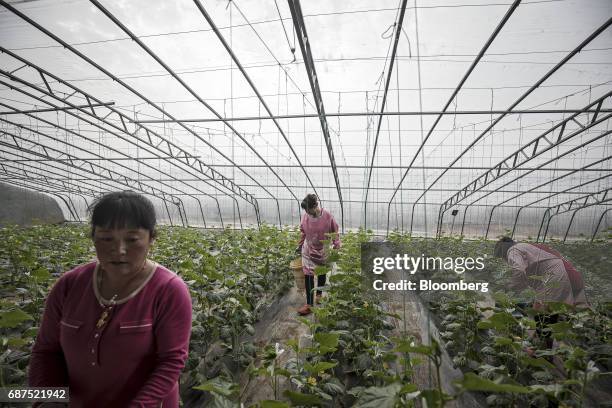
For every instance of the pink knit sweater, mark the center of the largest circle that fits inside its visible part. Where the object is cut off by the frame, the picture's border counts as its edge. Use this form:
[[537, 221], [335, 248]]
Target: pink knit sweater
[[134, 361], [314, 230]]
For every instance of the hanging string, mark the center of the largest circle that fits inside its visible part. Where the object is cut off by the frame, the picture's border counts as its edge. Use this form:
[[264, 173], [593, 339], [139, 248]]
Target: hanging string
[[416, 22], [304, 127], [399, 139], [292, 48]]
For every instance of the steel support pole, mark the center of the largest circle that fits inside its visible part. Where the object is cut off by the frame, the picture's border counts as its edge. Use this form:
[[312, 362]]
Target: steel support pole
[[569, 224], [489, 223], [467, 207], [547, 225], [361, 114], [542, 223], [168, 212], [201, 210], [515, 221], [182, 213], [439, 223], [598, 224], [302, 36]]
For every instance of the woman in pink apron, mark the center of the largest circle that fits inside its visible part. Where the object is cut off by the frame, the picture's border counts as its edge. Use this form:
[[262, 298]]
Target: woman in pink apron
[[315, 226]]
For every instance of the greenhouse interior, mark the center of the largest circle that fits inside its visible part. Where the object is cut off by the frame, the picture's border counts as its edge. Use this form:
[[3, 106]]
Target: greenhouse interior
[[363, 203]]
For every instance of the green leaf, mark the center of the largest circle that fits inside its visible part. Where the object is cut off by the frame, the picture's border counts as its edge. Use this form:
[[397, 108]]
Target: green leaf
[[472, 382], [420, 349], [433, 398], [217, 386], [16, 342], [379, 397], [328, 341], [13, 318], [319, 367], [558, 307], [321, 270], [408, 388], [601, 349], [536, 362], [298, 398], [332, 388], [484, 325], [502, 341], [293, 343], [41, 275], [561, 327], [530, 323], [31, 332], [501, 320]]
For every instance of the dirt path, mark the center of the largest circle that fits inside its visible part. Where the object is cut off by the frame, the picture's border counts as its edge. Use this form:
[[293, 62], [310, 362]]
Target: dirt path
[[277, 325]]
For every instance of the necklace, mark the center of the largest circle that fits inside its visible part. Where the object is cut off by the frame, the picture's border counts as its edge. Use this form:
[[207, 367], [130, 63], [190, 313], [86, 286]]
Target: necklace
[[106, 311], [104, 302], [107, 308]]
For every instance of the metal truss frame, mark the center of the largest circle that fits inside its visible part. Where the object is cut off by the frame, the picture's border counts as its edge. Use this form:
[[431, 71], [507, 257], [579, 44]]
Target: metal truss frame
[[87, 166], [196, 96], [74, 188], [533, 149], [173, 150], [548, 140], [19, 126], [551, 194], [95, 190], [152, 139], [98, 126], [541, 165], [83, 163], [63, 185], [309, 65], [589, 200], [548, 74], [91, 106]]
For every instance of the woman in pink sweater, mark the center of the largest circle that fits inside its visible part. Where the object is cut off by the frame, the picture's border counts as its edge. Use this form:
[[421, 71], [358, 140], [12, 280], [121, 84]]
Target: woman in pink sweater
[[116, 331], [315, 225]]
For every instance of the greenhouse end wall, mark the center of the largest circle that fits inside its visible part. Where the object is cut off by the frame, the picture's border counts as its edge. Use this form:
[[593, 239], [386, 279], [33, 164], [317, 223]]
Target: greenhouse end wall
[[26, 207]]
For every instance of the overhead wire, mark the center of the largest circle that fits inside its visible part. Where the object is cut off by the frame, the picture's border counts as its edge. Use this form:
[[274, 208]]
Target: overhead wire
[[271, 21]]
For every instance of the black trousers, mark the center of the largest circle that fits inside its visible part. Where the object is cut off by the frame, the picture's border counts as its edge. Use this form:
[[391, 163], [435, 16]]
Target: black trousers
[[543, 320], [309, 280]]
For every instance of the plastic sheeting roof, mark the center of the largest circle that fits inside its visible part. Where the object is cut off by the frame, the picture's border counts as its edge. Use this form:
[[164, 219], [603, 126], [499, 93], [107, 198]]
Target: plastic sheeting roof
[[211, 107]]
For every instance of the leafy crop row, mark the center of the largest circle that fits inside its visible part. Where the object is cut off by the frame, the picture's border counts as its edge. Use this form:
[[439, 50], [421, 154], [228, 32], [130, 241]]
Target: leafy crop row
[[350, 356]]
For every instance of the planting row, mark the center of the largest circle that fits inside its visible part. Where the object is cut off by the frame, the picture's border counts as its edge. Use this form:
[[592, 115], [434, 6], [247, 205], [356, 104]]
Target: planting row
[[354, 354]]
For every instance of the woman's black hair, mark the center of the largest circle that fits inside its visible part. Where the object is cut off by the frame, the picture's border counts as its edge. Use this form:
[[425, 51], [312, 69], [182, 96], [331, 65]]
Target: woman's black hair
[[502, 246], [123, 209], [309, 202]]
